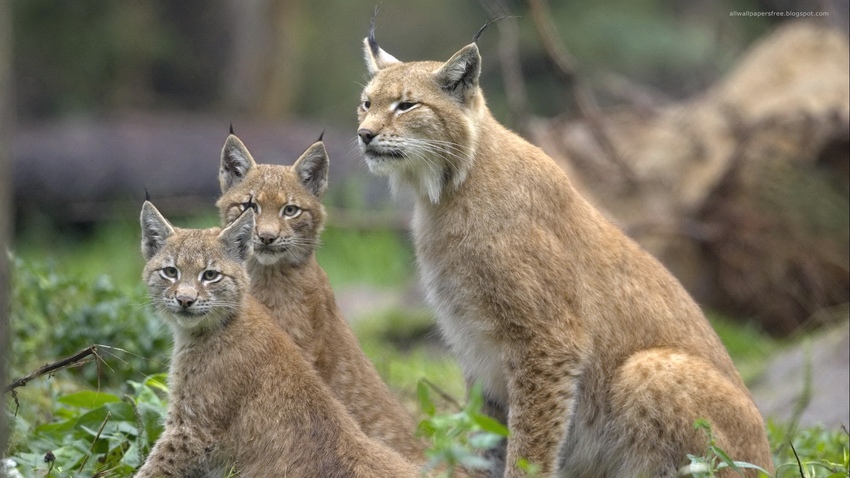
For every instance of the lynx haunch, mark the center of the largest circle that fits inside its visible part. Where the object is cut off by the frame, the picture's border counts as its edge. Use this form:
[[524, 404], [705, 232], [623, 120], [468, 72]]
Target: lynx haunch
[[587, 348]]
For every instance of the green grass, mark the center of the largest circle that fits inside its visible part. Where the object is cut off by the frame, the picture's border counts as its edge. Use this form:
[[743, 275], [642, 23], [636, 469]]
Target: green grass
[[381, 257], [405, 348], [748, 345]]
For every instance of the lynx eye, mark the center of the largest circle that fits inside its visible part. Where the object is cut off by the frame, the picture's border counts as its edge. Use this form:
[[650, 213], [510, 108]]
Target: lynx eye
[[210, 275], [366, 104], [291, 211], [405, 105], [169, 272]]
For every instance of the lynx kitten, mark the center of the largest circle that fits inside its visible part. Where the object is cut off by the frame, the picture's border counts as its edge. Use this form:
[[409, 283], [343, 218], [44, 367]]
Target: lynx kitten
[[287, 279], [241, 394]]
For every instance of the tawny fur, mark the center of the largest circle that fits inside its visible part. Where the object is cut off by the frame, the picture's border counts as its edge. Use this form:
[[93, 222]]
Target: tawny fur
[[287, 279], [588, 349], [241, 393]]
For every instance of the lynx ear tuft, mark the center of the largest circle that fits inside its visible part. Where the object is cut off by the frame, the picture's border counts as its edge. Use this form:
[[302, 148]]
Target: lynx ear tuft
[[237, 236], [155, 230], [459, 76], [236, 161], [312, 169], [376, 58], [484, 27]]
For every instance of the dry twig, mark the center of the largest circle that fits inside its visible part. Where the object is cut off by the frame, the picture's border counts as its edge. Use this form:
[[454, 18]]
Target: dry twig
[[79, 358]]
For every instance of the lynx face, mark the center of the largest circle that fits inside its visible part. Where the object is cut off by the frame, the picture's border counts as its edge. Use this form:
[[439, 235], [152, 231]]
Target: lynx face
[[195, 278], [417, 119], [285, 200]]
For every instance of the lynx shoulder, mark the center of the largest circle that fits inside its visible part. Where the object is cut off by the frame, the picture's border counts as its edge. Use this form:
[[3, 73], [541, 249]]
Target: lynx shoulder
[[592, 353], [240, 393], [287, 279]]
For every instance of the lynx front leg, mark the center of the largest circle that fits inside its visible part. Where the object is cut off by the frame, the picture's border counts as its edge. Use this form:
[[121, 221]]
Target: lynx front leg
[[542, 384], [177, 453]]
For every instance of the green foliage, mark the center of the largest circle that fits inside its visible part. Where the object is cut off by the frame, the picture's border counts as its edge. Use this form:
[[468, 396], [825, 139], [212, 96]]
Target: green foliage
[[457, 439], [64, 303], [377, 257], [715, 458], [817, 452], [814, 453], [747, 344], [92, 433], [55, 315], [404, 347]]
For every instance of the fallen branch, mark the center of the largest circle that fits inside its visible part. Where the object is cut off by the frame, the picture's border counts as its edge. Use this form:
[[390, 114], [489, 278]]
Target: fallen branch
[[78, 358], [564, 65]]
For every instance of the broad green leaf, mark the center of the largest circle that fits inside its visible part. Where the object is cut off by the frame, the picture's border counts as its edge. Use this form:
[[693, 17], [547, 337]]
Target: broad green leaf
[[490, 424], [88, 399]]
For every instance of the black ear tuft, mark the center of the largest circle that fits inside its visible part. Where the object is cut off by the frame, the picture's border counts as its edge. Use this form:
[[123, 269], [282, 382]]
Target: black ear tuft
[[321, 135], [373, 44], [484, 27], [231, 128], [147, 195]]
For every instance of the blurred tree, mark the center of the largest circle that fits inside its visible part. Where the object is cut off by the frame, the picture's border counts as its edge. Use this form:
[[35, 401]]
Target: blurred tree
[[264, 70], [5, 191]]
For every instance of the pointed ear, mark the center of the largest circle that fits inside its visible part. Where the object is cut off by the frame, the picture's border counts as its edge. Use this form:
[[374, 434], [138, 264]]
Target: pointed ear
[[312, 169], [155, 230], [237, 236], [376, 58], [236, 161], [459, 76]]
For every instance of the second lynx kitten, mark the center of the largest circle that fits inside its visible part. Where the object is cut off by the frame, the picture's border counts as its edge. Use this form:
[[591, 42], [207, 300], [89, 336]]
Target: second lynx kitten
[[286, 278]]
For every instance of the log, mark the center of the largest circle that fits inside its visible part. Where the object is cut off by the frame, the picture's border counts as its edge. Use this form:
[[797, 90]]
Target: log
[[743, 190]]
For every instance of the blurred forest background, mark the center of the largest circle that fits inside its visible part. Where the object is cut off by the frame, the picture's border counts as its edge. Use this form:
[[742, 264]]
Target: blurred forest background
[[718, 141]]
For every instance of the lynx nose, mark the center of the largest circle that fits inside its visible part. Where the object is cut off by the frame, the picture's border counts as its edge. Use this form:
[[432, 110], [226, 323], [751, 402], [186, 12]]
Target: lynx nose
[[267, 238], [366, 135], [185, 301]]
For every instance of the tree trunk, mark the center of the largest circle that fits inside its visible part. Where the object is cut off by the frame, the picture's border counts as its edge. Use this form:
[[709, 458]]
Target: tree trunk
[[264, 69], [6, 116]]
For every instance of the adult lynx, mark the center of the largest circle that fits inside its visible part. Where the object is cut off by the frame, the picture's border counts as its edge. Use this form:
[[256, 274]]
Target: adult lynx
[[241, 394], [591, 352], [287, 279]]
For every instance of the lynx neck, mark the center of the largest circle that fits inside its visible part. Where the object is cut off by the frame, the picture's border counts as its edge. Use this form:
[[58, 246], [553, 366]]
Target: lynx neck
[[294, 278]]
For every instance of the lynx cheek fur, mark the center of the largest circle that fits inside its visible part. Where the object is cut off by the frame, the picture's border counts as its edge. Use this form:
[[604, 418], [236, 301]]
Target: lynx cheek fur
[[592, 353], [241, 394], [287, 279]]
